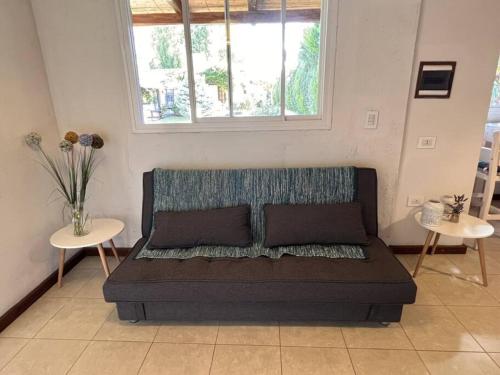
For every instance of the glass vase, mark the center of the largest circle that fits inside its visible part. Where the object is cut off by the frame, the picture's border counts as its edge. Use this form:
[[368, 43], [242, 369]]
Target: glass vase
[[78, 219]]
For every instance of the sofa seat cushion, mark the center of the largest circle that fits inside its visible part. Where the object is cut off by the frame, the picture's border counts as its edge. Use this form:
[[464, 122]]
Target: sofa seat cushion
[[379, 279]]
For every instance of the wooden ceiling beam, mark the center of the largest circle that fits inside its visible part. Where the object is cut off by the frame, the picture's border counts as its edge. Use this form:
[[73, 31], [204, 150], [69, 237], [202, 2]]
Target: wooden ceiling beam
[[265, 16], [252, 5], [176, 6]]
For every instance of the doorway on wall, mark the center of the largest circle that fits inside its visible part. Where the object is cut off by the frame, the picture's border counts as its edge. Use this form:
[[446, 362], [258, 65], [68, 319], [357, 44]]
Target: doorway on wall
[[493, 121], [486, 196]]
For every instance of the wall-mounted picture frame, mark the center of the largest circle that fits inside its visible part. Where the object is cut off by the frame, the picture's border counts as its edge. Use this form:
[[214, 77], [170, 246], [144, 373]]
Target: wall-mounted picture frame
[[435, 79]]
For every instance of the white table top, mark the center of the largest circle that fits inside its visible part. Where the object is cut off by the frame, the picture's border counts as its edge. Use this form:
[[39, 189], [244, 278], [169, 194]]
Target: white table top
[[101, 230], [467, 227]]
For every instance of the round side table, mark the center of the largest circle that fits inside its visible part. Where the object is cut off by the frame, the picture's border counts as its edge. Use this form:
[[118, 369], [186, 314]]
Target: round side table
[[102, 230], [467, 227]]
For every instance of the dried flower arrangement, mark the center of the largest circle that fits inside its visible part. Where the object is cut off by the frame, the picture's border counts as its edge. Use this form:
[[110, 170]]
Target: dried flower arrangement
[[72, 172]]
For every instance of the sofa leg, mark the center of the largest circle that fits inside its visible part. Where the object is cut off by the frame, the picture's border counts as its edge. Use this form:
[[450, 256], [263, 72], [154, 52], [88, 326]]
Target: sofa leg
[[385, 324], [133, 321]]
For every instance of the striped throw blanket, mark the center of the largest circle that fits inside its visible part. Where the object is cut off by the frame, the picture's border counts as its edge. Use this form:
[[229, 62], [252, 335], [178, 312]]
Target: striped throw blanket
[[182, 190]]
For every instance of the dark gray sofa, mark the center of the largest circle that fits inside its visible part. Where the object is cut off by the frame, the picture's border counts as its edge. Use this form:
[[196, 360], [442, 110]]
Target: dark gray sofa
[[291, 288]]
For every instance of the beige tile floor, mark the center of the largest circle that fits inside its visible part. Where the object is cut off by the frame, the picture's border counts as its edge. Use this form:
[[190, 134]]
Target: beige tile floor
[[453, 328]]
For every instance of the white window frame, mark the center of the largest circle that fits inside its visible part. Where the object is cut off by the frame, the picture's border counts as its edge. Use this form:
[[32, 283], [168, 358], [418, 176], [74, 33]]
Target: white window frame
[[322, 121]]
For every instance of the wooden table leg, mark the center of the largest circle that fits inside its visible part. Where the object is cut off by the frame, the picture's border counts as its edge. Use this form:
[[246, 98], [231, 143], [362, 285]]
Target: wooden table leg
[[480, 246], [424, 251], [62, 254], [113, 248], [104, 262], [435, 245]]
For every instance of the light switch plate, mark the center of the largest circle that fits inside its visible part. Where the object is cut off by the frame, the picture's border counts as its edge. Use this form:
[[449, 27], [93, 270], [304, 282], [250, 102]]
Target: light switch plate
[[426, 142], [371, 120]]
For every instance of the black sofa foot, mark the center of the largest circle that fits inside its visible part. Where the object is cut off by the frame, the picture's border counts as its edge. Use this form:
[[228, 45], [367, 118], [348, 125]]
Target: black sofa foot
[[385, 324], [133, 321]]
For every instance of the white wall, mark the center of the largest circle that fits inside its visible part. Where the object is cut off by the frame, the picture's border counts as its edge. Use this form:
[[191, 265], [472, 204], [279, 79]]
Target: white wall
[[467, 32], [81, 48], [376, 40], [27, 218]]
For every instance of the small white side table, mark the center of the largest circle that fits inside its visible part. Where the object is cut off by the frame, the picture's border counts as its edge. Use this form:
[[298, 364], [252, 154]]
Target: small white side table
[[467, 227], [102, 230]]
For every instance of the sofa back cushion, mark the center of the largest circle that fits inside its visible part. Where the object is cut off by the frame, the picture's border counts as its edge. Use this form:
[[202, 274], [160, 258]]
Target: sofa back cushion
[[322, 224], [184, 190], [366, 194], [221, 226]]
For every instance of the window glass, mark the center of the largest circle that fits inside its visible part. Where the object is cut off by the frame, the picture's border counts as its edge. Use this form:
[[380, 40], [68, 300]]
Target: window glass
[[235, 62], [209, 51], [163, 76], [256, 60], [302, 47]]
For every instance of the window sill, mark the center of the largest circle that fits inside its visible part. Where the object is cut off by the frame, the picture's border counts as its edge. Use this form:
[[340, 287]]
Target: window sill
[[234, 127]]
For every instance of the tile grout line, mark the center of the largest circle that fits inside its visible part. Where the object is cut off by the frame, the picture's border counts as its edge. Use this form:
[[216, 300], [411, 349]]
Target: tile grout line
[[449, 351], [406, 350], [76, 291], [338, 347], [490, 357], [149, 349], [443, 350], [262, 346], [43, 325], [450, 259], [49, 320], [281, 353], [78, 358], [414, 347], [82, 288], [474, 284], [474, 306], [215, 345], [15, 355], [490, 294], [102, 324], [348, 351], [439, 299], [85, 298], [96, 340], [463, 325], [145, 356], [492, 259], [352, 362]]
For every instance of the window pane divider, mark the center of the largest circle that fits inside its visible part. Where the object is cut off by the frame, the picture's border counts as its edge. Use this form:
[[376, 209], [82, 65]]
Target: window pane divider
[[283, 60], [189, 59], [323, 22], [228, 57]]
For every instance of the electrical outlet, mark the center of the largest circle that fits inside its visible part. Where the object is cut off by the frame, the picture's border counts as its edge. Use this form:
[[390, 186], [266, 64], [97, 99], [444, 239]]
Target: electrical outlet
[[426, 142], [415, 200], [371, 120]]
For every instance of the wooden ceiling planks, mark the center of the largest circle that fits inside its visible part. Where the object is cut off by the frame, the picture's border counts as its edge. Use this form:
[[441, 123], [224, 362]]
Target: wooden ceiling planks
[[151, 6], [164, 12]]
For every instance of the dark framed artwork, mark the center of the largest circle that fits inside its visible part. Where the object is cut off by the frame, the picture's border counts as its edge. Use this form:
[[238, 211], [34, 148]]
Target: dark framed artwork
[[435, 79]]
